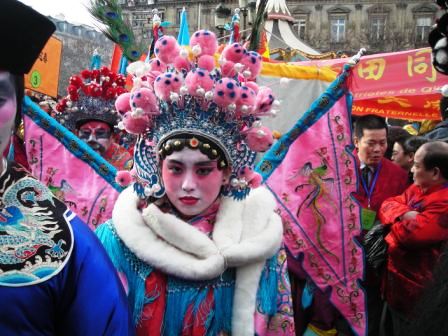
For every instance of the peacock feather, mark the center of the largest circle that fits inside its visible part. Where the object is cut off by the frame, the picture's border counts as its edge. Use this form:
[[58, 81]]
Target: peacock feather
[[108, 12], [257, 26]]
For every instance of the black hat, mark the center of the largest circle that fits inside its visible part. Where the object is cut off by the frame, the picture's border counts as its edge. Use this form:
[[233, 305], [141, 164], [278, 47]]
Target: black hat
[[23, 32]]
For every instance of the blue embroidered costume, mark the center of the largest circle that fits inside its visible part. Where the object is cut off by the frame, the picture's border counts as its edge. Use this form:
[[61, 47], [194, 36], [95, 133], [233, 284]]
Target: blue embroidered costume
[[55, 278]]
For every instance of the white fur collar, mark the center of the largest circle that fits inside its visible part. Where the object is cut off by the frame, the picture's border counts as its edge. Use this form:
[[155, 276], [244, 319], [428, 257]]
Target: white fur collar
[[246, 233]]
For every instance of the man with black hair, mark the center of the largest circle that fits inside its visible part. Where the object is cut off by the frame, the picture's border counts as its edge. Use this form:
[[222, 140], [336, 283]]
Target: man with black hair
[[440, 131], [404, 150], [418, 221], [55, 277], [379, 179]]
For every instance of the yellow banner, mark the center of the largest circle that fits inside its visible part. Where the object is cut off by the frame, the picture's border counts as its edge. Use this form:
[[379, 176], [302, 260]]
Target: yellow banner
[[44, 75]]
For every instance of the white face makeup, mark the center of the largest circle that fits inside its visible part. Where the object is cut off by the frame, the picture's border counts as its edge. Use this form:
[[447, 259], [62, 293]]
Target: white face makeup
[[8, 109], [192, 181], [97, 134]]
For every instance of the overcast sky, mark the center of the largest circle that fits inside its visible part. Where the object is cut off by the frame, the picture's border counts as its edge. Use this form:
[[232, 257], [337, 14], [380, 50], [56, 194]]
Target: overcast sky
[[75, 11]]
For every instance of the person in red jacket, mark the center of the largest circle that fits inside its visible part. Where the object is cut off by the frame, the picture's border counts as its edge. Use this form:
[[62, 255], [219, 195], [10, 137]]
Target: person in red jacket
[[418, 222], [378, 179]]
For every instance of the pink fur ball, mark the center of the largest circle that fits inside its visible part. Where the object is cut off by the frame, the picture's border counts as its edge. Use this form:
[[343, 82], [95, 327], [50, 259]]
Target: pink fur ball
[[146, 100], [226, 92], [151, 77], [198, 78], [252, 62], [228, 69], [246, 100], [252, 85], [122, 103], [206, 40], [206, 62], [253, 178], [157, 65], [181, 64], [259, 139], [123, 178], [264, 100], [234, 52], [136, 125], [166, 49], [166, 83]]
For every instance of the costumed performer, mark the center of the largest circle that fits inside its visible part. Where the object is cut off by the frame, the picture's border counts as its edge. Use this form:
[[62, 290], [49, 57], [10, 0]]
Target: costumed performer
[[88, 111], [199, 250], [55, 277]]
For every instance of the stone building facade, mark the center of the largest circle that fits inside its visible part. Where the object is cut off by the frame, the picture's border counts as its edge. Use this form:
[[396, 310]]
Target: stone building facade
[[78, 45], [326, 25]]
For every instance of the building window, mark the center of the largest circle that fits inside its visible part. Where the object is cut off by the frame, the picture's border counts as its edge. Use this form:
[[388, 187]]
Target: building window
[[301, 28], [179, 15], [62, 26], [377, 28], [423, 28], [338, 26]]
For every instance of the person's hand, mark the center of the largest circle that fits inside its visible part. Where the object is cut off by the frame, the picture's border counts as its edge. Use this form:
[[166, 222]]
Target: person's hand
[[410, 215]]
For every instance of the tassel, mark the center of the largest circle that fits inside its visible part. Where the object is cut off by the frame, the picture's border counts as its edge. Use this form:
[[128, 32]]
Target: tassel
[[184, 294], [126, 262], [268, 288], [221, 321]]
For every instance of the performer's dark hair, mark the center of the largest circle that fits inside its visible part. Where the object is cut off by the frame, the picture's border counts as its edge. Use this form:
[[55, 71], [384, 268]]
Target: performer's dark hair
[[436, 155], [369, 122]]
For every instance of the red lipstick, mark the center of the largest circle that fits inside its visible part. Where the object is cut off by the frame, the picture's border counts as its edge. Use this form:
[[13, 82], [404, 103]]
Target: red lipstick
[[189, 200]]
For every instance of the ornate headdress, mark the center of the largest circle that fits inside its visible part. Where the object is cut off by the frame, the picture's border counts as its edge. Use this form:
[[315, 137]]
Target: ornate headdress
[[91, 96], [181, 99]]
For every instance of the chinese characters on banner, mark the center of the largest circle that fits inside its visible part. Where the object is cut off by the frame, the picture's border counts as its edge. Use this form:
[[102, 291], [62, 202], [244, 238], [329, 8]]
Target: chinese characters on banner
[[44, 76], [401, 85]]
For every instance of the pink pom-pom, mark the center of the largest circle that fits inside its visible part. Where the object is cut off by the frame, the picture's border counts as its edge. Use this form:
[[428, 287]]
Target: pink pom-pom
[[206, 40], [122, 103], [157, 65], [146, 100], [246, 100], [166, 49], [167, 83], [252, 63], [123, 178], [252, 85], [264, 100], [206, 62], [198, 79], [151, 77], [234, 52], [253, 179], [228, 69], [256, 180], [226, 92], [259, 139], [181, 64], [136, 125]]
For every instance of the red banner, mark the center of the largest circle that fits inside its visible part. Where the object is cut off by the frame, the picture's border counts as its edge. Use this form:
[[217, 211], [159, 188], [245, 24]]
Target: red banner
[[401, 85]]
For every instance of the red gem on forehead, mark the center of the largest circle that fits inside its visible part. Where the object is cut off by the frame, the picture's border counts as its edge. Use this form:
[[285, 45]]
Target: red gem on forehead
[[194, 142]]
